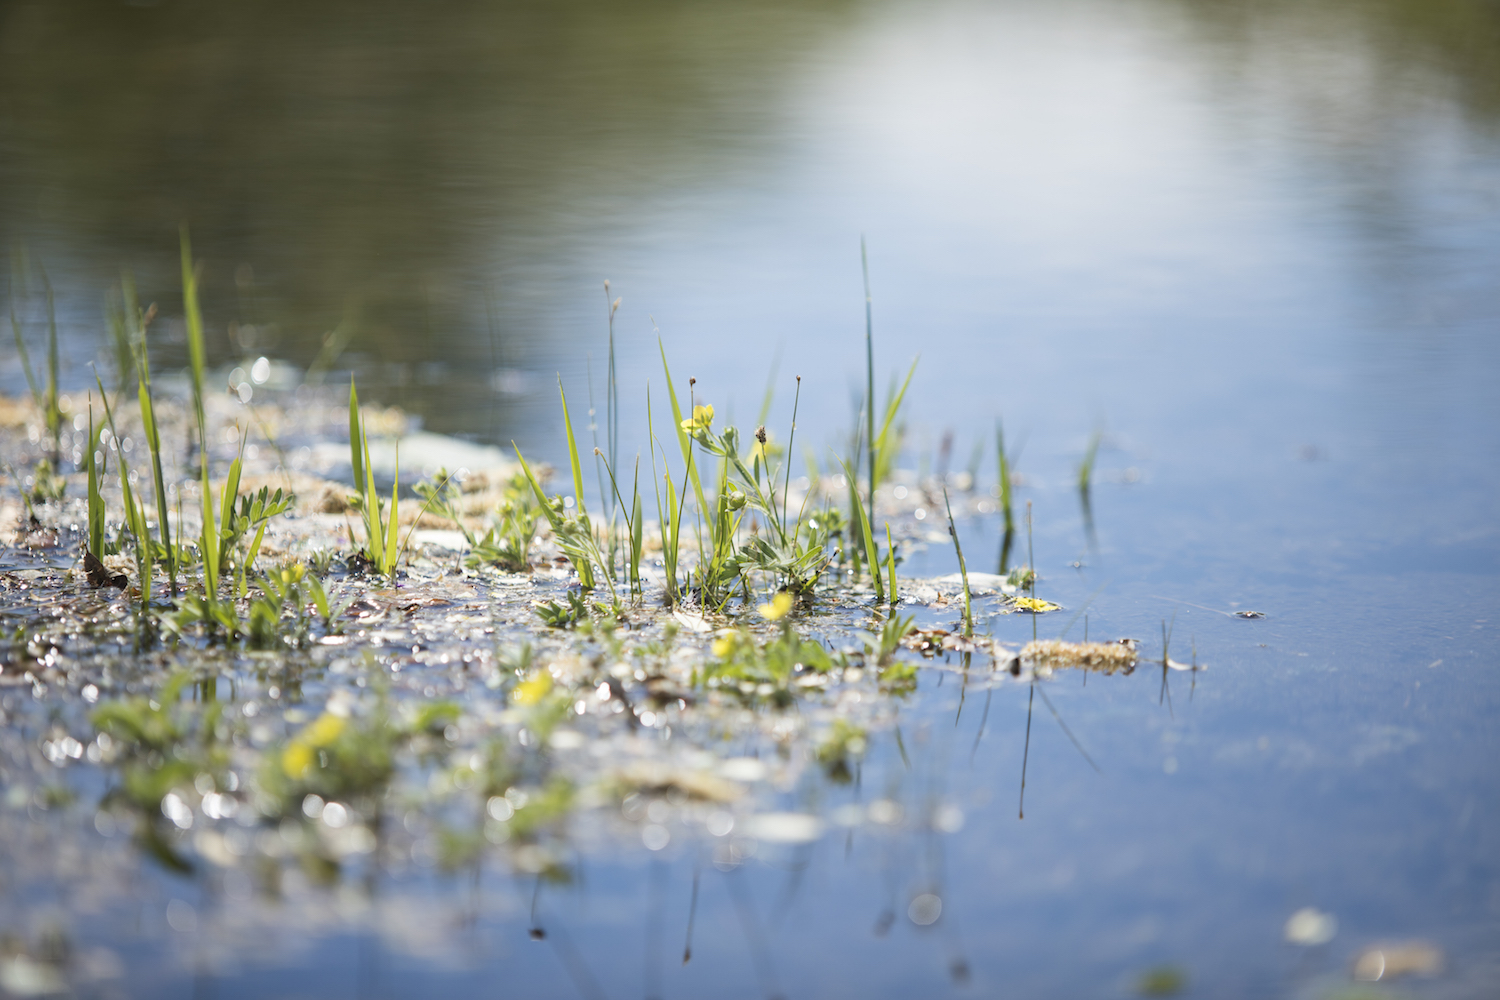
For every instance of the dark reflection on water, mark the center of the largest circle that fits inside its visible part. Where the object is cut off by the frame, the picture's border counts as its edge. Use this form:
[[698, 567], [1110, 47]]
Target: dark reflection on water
[[445, 188], [400, 172]]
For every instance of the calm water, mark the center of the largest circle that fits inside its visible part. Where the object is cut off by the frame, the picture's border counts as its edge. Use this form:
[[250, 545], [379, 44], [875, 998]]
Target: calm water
[[1256, 245]]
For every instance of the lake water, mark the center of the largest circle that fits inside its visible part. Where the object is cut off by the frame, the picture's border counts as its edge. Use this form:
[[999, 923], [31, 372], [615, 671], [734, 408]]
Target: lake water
[[1256, 246]]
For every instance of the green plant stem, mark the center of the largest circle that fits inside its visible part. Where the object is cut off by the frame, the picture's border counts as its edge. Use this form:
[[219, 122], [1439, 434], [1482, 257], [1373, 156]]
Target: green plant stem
[[963, 569], [864, 261]]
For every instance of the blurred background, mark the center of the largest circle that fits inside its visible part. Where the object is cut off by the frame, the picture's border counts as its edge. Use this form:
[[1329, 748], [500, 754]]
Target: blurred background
[[1236, 236]]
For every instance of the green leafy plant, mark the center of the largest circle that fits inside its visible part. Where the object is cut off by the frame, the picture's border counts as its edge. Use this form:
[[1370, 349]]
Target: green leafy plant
[[881, 646], [755, 669], [507, 541], [557, 615], [252, 513]]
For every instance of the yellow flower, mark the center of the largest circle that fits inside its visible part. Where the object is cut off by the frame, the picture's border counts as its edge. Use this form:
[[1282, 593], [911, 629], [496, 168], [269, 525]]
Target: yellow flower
[[533, 689], [323, 731], [778, 608], [724, 644], [703, 416], [297, 759], [1035, 605]]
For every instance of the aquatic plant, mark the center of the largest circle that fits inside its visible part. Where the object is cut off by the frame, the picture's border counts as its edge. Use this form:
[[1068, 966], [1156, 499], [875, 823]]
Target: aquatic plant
[[380, 549], [1006, 465], [881, 647], [963, 569], [862, 525], [753, 669]]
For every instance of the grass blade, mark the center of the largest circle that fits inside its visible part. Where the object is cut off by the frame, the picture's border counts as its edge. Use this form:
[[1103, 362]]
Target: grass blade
[[391, 541], [962, 568], [356, 439], [871, 554], [890, 563], [96, 501], [683, 440], [572, 450]]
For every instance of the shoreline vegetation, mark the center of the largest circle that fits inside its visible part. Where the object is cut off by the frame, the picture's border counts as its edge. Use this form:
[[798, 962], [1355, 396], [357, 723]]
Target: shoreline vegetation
[[276, 667]]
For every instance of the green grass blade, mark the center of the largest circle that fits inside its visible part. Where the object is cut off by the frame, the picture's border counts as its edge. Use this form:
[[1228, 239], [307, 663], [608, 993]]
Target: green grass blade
[[260, 533], [890, 564], [374, 534], [96, 501], [153, 443], [356, 439], [572, 450], [585, 572], [232, 489], [871, 552], [536, 488], [864, 263], [135, 513], [637, 529], [1005, 496], [209, 538], [392, 524], [885, 446], [683, 440], [194, 319], [962, 568]]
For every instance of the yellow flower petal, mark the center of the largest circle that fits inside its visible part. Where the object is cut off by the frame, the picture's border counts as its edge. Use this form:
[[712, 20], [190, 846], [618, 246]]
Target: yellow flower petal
[[778, 608], [702, 417], [297, 760], [533, 689], [323, 731]]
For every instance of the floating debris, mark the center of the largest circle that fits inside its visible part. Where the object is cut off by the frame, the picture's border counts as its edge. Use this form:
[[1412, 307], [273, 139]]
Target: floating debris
[[1105, 657], [1390, 961], [785, 828], [1309, 927]]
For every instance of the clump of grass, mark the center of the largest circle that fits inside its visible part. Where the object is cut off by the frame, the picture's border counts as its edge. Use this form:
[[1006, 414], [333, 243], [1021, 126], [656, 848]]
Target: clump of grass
[[862, 525], [135, 510], [574, 532], [166, 553], [881, 646], [556, 614], [381, 542], [95, 499], [506, 543]]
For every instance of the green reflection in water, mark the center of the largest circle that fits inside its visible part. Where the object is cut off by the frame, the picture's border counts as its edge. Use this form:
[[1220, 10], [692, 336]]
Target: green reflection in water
[[379, 165]]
